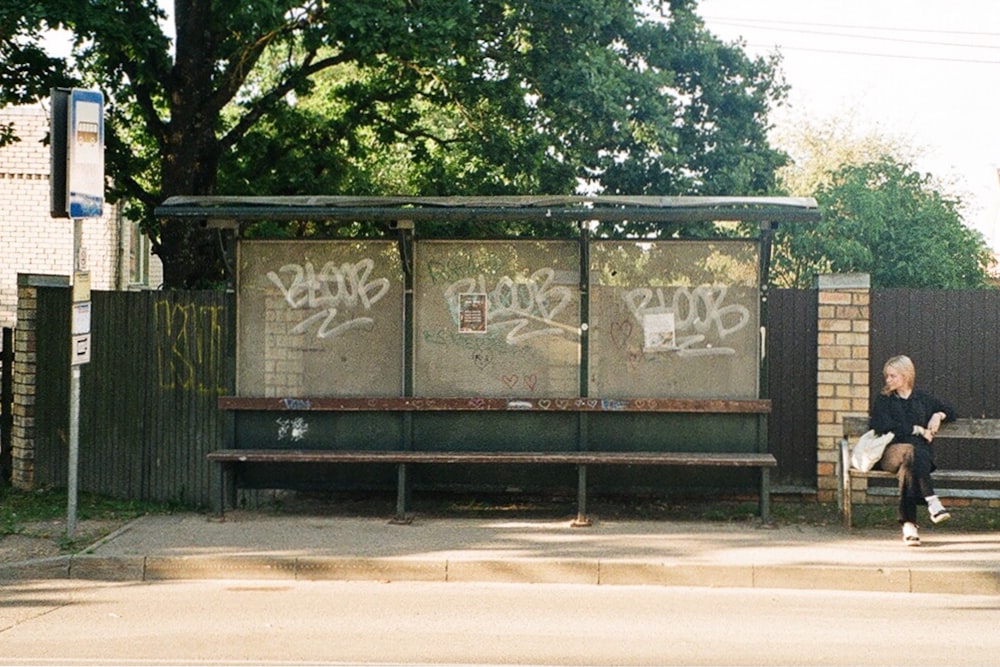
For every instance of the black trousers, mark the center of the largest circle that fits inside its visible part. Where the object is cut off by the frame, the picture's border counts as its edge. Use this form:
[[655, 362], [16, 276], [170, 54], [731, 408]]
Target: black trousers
[[913, 465]]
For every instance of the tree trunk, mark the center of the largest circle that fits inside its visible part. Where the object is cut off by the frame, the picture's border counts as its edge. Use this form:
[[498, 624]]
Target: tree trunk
[[192, 256]]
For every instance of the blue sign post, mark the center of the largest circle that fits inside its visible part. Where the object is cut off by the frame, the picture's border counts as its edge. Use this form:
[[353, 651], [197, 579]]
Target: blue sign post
[[85, 171], [77, 132]]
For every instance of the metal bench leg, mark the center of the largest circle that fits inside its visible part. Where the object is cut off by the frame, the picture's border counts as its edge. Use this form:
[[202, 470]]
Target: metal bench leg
[[220, 487], [848, 519], [402, 490], [582, 520], [844, 478], [225, 482], [765, 494], [231, 493]]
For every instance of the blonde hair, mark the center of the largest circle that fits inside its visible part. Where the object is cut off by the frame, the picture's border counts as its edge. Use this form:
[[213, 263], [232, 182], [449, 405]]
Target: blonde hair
[[903, 365]]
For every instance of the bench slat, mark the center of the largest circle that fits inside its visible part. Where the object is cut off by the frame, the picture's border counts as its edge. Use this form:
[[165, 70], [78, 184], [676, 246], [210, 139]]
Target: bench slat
[[971, 428], [963, 428], [414, 404], [986, 476], [575, 458], [226, 459]]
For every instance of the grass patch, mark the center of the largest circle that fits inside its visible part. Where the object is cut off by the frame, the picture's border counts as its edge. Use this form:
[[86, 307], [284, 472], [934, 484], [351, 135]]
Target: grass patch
[[969, 519], [42, 513]]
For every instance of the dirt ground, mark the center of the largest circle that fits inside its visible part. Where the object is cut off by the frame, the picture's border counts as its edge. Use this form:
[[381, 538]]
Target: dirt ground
[[47, 539]]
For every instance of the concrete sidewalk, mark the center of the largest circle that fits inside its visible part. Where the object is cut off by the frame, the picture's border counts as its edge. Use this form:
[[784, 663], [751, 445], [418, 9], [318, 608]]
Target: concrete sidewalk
[[251, 545]]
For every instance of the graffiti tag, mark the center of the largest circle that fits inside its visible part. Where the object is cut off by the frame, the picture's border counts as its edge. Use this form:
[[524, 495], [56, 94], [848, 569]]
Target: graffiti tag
[[332, 289]]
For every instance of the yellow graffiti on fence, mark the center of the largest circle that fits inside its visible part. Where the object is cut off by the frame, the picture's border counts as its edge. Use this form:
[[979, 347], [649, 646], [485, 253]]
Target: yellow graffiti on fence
[[189, 347]]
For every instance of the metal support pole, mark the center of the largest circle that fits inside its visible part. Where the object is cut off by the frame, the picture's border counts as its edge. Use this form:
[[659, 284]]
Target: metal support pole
[[581, 521], [765, 494], [402, 490]]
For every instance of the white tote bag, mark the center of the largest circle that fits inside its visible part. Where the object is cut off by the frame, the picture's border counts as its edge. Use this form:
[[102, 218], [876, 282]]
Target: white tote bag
[[868, 450]]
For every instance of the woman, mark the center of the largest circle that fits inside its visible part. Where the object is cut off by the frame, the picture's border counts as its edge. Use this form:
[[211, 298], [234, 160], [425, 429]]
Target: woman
[[914, 416]]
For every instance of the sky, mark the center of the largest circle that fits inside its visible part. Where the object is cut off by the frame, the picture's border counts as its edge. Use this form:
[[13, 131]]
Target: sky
[[924, 71]]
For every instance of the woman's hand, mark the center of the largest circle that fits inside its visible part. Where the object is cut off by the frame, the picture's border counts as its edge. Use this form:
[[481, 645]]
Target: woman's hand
[[933, 425]]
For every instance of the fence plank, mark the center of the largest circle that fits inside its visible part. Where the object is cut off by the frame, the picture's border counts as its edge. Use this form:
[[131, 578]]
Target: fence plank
[[791, 364], [6, 403]]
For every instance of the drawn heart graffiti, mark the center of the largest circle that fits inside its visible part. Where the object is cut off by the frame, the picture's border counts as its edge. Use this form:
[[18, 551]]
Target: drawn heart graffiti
[[512, 380], [620, 332], [482, 360]]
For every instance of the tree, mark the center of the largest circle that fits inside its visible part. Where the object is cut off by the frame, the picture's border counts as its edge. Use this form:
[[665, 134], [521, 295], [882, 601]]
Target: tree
[[27, 72], [443, 97], [883, 218], [817, 148]]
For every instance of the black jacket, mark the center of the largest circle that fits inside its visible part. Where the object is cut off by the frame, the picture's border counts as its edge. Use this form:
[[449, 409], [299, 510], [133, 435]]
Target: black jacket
[[900, 415]]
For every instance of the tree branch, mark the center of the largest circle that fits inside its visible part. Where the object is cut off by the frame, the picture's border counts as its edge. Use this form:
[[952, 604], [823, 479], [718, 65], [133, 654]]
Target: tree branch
[[267, 102]]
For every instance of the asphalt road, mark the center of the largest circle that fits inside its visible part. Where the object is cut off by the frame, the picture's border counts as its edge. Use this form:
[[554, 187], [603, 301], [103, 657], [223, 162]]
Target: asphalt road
[[45, 622]]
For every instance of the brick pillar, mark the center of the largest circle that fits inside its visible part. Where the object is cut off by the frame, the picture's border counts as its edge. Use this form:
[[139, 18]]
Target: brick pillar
[[25, 375], [842, 379]]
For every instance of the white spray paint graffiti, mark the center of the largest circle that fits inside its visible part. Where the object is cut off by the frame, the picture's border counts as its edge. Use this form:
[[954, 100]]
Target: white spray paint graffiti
[[345, 286], [520, 304], [294, 429], [698, 311]]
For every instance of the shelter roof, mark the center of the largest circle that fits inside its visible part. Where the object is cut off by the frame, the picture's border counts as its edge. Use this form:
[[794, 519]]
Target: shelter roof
[[237, 209]]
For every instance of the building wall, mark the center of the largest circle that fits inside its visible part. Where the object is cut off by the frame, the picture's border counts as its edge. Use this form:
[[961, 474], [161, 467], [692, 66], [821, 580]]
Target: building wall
[[33, 242]]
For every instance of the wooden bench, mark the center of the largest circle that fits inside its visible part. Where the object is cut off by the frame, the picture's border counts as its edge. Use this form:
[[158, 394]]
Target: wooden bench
[[227, 460], [975, 429]]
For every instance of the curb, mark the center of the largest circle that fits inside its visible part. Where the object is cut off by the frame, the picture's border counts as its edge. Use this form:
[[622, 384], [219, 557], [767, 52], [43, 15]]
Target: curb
[[511, 571]]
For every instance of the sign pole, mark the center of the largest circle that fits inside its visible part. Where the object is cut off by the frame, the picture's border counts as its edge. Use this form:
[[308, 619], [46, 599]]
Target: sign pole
[[72, 482], [77, 192], [74, 451]]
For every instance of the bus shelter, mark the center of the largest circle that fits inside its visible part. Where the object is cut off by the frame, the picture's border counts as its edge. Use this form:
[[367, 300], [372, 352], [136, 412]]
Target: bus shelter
[[400, 341]]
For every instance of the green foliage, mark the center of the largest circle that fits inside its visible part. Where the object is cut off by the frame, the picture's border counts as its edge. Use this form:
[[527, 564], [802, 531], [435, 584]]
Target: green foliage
[[883, 218], [397, 97], [26, 71]]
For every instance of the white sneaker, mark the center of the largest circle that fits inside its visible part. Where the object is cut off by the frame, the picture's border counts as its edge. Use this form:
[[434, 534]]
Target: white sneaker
[[940, 515], [911, 537], [936, 509]]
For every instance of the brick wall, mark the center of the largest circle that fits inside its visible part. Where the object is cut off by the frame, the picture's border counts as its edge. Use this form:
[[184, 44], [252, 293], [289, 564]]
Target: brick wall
[[842, 379], [25, 378]]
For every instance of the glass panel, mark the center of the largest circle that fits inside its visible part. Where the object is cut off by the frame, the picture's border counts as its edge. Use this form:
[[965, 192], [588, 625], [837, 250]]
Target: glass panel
[[497, 318], [674, 319], [319, 319]]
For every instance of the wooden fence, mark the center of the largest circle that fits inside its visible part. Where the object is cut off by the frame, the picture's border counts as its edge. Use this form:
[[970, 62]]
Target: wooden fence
[[6, 402], [148, 396]]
